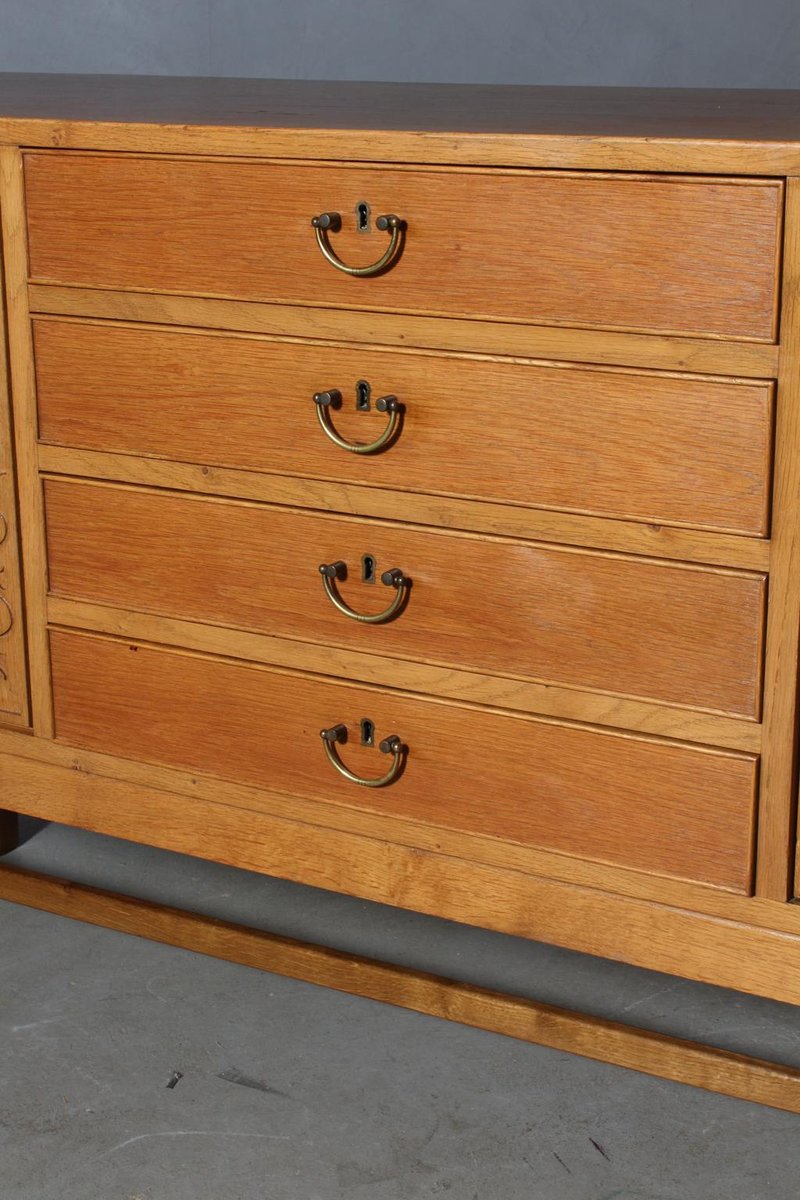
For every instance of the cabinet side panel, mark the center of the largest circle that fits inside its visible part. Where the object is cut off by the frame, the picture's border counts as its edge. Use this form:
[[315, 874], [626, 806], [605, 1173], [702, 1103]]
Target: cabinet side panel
[[779, 759], [20, 383], [14, 706]]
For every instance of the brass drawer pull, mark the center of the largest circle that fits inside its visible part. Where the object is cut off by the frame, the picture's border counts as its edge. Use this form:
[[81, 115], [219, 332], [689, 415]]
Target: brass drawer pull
[[395, 578], [331, 222], [323, 401], [390, 745]]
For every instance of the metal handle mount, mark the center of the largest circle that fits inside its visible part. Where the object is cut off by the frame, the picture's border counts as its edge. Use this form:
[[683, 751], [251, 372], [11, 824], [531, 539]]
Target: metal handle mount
[[324, 401], [390, 745], [331, 222], [395, 578]]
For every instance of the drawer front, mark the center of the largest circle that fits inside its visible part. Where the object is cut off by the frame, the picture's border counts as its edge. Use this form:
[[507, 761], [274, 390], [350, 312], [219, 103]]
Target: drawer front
[[683, 635], [682, 451], [678, 255], [654, 806]]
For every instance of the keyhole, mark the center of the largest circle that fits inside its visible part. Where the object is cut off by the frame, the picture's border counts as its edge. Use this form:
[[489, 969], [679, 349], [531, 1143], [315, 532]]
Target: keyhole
[[363, 393], [367, 732], [362, 216], [368, 568]]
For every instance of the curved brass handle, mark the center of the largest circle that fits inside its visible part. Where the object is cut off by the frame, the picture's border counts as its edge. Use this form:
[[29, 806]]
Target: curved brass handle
[[390, 745], [395, 578], [331, 222], [388, 404]]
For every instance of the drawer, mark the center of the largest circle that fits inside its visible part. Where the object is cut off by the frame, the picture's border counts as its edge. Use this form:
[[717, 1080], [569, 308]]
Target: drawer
[[659, 807], [684, 635], [674, 450], [655, 253]]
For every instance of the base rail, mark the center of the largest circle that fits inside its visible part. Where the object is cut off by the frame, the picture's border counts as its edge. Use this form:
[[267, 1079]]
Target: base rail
[[651, 1053]]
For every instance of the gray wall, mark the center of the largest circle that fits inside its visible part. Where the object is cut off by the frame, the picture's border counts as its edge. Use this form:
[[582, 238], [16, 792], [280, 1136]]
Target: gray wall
[[684, 43]]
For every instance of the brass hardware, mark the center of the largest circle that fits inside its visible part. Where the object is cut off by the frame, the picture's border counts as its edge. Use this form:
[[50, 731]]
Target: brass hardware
[[331, 222], [390, 745], [333, 398], [337, 733], [395, 578], [330, 399]]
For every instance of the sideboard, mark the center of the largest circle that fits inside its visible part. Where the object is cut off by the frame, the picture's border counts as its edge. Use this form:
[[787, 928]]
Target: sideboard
[[400, 495]]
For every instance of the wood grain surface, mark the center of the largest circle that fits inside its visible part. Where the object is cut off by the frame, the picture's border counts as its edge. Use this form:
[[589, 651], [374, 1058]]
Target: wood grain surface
[[629, 129], [644, 446], [550, 343], [664, 807], [14, 701], [512, 520], [662, 936], [624, 842], [681, 634], [778, 808], [528, 1020], [603, 251], [58, 761], [22, 380], [450, 683], [579, 112]]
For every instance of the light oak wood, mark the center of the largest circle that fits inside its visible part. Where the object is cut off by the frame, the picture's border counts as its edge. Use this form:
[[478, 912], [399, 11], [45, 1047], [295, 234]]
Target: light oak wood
[[29, 491], [297, 106], [685, 256], [726, 952], [777, 814], [686, 451], [684, 635], [657, 541], [541, 151], [625, 129], [612, 824], [527, 1020], [756, 360], [594, 708], [675, 810], [14, 707], [601, 877]]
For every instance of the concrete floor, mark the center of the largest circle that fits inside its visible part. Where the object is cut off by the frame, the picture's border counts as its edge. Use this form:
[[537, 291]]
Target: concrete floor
[[291, 1092]]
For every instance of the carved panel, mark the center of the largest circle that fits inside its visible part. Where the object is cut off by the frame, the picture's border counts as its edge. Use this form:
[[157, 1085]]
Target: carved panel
[[13, 667]]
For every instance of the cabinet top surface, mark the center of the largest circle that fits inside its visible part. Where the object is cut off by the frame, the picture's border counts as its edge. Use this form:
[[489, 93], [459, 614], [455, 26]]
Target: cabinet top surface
[[768, 115], [739, 131]]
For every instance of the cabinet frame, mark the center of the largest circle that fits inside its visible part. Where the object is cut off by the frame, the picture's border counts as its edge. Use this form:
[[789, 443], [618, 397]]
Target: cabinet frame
[[752, 944]]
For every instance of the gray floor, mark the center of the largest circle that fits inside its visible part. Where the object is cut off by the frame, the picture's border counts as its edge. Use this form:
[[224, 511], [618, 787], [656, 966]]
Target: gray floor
[[284, 1091]]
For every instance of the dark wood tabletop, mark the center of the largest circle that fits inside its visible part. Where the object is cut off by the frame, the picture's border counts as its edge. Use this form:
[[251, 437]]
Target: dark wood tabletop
[[750, 115]]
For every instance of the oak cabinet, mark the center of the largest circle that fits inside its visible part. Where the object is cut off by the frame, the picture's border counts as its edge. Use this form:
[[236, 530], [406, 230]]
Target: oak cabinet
[[407, 504]]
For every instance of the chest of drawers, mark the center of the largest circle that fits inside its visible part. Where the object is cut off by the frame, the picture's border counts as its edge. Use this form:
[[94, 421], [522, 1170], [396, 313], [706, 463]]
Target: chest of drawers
[[400, 496]]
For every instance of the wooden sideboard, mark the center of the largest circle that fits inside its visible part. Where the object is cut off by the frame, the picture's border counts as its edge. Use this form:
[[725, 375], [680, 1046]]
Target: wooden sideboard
[[400, 495]]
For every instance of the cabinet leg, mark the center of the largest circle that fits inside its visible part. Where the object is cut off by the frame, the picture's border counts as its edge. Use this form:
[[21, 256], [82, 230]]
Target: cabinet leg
[[9, 831]]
